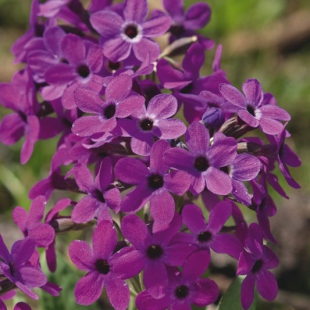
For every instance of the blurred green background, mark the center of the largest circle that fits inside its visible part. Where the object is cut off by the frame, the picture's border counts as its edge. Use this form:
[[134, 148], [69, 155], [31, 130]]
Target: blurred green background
[[264, 39]]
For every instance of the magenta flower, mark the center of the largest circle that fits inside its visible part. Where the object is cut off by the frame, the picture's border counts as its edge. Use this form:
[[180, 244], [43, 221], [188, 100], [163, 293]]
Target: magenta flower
[[82, 61], [185, 24], [30, 223], [17, 267], [154, 184], [101, 196], [19, 96], [156, 250], [254, 262], [286, 157], [122, 35], [207, 235], [105, 268], [203, 161], [252, 108], [185, 288], [119, 103], [154, 120]]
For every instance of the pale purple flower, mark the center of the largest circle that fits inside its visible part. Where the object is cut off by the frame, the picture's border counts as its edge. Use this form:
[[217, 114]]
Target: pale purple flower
[[30, 223], [185, 288], [17, 267], [252, 108], [155, 120], [153, 183], [122, 35], [157, 251], [101, 195], [104, 267], [254, 262], [203, 162], [119, 102]]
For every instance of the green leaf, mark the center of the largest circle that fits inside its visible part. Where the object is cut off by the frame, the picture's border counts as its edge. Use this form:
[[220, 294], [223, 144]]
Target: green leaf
[[231, 299]]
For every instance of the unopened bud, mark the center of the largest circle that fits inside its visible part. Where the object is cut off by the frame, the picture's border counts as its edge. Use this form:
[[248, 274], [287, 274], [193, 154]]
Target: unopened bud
[[213, 118]]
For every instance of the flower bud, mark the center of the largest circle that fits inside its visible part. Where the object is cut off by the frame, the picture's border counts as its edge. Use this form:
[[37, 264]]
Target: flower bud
[[213, 118]]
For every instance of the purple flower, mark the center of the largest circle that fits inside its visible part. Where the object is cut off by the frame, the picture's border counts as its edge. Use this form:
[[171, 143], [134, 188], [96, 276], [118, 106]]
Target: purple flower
[[19, 96], [254, 262], [153, 121], [187, 85], [153, 184], [122, 35], [252, 109], [156, 250], [105, 268], [203, 161], [245, 167], [285, 156], [118, 103], [101, 196], [17, 268], [50, 216], [185, 24], [30, 223], [207, 235], [82, 61], [185, 288]]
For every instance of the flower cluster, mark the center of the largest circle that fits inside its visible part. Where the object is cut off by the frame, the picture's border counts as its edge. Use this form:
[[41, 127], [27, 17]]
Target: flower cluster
[[156, 150]]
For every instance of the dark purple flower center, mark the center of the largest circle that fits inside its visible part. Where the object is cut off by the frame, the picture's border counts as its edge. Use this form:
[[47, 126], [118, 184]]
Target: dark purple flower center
[[146, 124], [102, 266], [155, 181], [113, 65], [12, 269], [187, 89], [204, 236], [226, 169], [250, 109], [257, 266], [201, 163], [154, 251], [83, 71], [131, 31], [181, 291], [99, 196], [177, 29], [109, 111]]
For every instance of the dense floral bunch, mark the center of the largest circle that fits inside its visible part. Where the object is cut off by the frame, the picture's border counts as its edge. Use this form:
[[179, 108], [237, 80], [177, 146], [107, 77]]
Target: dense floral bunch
[[143, 138]]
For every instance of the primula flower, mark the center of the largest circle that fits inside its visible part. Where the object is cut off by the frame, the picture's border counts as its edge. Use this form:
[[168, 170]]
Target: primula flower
[[207, 235], [185, 24], [130, 32], [252, 108], [17, 268], [82, 61], [188, 84], [30, 223], [19, 96], [105, 268], [285, 156], [157, 251], [154, 120], [118, 103], [254, 262], [185, 288], [153, 184], [203, 161], [100, 196]]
